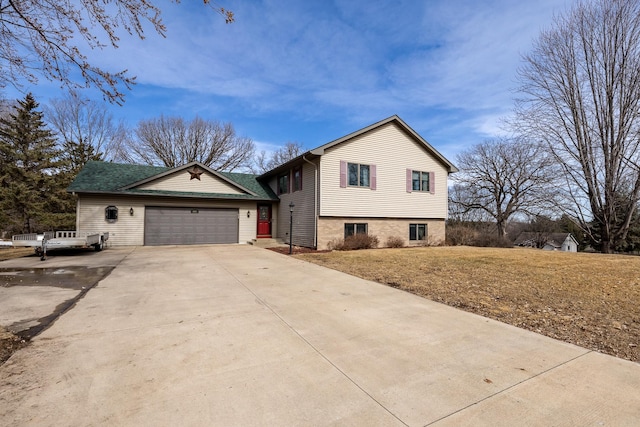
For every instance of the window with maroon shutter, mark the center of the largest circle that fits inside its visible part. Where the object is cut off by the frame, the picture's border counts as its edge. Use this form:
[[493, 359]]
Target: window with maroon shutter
[[358, 175], [343, 174], [420, 181], [374, 177], [432, 182]]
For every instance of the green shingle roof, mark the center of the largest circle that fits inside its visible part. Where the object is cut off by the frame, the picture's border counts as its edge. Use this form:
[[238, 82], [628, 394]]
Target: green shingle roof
[[105, 177]]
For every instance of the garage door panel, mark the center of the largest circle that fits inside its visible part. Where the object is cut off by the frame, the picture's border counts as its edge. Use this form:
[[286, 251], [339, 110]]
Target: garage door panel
[[189, 226]]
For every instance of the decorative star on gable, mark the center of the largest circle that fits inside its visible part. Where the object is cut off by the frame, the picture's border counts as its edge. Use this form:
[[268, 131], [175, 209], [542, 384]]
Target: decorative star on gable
[[195, 172]]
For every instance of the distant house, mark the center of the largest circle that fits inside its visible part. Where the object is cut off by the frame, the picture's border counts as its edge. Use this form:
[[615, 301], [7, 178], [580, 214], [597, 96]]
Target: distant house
[[384, 180], [564, 242]]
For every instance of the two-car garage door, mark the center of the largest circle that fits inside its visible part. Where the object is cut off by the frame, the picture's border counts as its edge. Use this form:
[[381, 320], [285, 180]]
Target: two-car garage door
[[189, 226]]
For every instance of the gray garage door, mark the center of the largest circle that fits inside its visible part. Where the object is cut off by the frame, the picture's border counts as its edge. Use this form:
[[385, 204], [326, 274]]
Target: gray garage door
[[190, 226]]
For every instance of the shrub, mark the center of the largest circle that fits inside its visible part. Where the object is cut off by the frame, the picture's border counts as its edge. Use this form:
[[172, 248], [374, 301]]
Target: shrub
[[461, 235], [431, 241], [354, 242], [335, 245], [395, 242], [490, 240]]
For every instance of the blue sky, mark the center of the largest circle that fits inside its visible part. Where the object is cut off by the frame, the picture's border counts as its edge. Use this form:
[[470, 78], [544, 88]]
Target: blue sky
[[315, 70]]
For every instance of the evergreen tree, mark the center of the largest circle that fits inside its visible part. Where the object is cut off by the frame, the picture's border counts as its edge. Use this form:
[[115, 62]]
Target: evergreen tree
[[76, 154], [29, 163]]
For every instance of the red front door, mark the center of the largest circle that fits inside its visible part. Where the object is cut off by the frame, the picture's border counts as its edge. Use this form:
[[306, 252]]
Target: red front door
[[264, 221]]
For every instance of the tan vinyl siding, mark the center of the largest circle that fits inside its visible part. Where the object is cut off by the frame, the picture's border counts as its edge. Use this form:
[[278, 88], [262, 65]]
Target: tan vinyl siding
[[181, 181], [129, 230], [332, 228], [304, 210], [393, 152]]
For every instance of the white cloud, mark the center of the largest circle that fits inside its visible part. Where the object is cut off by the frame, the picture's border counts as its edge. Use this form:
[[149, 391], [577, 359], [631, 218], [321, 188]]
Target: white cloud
[[446, 66]]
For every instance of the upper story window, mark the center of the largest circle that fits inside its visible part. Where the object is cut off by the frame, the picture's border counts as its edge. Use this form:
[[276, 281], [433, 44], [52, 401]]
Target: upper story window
[[283, 184], [111, 214], [297, 178], [420, 181], [359, 175]]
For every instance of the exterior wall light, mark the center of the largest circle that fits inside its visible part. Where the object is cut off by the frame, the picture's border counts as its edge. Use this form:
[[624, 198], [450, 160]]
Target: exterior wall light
[[131, 211], [248, 214]]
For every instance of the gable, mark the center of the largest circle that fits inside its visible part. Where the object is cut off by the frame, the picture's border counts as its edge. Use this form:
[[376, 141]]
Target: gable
[[182, 181], [398, 125], [389, 152], [396, 121], [386, 142]]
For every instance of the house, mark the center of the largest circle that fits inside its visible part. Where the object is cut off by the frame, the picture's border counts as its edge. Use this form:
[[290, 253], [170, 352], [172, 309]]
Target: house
[[564, 242], [384, 180]]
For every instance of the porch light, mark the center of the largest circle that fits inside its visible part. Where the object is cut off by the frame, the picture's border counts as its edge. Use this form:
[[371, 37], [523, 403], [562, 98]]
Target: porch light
[[248, 214], [131, 211]]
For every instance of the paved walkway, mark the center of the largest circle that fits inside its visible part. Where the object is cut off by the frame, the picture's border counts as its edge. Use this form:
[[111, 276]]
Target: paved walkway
[[241, 336]]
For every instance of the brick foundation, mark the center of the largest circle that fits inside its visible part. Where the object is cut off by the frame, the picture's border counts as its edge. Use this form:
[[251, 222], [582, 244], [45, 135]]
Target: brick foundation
[[332, 228]]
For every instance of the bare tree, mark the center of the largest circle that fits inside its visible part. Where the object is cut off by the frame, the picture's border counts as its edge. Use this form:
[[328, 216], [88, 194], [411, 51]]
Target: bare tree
[[41, 37], [502, 178], [581, 87], [86, 129], [265, 162], [173, 142]]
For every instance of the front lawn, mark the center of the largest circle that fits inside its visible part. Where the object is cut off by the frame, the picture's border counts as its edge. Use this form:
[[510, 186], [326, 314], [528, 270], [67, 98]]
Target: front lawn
[[590, 300]]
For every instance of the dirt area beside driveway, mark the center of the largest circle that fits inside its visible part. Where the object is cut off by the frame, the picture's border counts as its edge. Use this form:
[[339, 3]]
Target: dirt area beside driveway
[[33, 298], [35, 293], [590, 300], [9, 344], [12, 253]]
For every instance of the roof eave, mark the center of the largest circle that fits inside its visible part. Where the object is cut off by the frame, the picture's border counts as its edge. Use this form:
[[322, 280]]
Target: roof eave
[[173, 195], [309, 155]]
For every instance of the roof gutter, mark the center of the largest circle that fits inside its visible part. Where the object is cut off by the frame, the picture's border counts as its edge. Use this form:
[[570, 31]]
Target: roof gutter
[[315, 201]]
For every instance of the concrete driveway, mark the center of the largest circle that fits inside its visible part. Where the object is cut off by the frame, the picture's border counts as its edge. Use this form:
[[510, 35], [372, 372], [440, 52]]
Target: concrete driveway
[[241, 336], [36, 293]]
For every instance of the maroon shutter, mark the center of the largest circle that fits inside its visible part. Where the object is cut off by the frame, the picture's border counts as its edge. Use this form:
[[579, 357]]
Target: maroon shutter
[[343, 174], [372, 169], [432, 182], [409, 184]]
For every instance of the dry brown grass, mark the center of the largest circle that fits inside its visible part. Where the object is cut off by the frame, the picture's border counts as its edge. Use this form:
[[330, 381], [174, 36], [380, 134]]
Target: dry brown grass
[[591, 300], [11, 253]]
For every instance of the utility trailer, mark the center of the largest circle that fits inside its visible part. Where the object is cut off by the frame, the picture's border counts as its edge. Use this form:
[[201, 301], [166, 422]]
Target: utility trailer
[[60, 240], [31, 240]]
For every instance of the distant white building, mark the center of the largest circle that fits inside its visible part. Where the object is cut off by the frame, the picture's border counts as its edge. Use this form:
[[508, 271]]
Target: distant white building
[[564, 242]]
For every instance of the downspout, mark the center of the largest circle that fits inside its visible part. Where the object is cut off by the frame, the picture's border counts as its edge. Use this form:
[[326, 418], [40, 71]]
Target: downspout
[[315, 202], [73, 193]]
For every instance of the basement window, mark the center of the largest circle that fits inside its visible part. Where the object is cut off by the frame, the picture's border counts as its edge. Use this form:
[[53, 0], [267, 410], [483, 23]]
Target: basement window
[[417, 231], [352, 228]]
